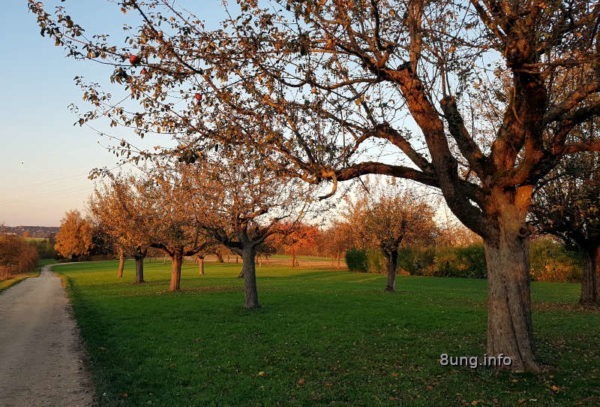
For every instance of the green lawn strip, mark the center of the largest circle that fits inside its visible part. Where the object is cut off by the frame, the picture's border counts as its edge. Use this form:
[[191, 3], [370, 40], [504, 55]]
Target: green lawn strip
[[322, 337]]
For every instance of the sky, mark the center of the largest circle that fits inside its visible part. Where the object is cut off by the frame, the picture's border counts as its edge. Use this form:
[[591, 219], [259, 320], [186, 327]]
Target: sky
[[44, 159]]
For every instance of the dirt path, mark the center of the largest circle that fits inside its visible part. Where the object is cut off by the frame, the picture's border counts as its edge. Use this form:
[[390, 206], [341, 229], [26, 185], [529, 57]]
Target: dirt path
[[41, 358]]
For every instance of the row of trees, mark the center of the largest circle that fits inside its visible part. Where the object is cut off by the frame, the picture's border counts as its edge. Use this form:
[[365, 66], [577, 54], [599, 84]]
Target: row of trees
[[192, 208], [480, 99]]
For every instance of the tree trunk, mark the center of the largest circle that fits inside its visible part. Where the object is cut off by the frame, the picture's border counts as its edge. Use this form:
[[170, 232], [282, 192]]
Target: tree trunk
[[509, 301], [249, 272], [220, 257], [121, 264], [392, 267], [590, 279], [139, 268], [293, 258], [201, 265], [176, 262]]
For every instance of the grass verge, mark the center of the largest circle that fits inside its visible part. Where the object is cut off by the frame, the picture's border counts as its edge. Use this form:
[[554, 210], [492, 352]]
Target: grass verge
[[6, 284], [321, 338]]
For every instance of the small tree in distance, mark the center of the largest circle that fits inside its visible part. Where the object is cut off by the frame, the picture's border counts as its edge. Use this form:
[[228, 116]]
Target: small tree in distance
[[388, 216], [74, 238]]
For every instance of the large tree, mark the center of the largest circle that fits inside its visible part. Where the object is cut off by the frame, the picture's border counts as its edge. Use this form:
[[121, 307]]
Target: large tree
[[463, 91]]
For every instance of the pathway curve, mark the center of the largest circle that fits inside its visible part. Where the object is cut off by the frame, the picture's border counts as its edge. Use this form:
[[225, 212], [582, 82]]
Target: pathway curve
[[41, 357]]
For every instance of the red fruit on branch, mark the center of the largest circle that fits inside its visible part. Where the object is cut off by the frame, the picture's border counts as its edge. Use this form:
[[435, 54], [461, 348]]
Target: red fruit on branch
[[198, 97], [134, 59]]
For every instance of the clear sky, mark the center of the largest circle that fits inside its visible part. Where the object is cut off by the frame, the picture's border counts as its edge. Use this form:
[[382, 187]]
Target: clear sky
[[44, 159]]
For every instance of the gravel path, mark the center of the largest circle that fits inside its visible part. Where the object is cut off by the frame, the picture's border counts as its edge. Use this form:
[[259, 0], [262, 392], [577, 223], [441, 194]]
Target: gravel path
[[41, 357]]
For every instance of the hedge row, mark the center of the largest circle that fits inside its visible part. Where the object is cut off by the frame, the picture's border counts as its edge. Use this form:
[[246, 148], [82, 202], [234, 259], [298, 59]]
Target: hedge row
[[550, 261]]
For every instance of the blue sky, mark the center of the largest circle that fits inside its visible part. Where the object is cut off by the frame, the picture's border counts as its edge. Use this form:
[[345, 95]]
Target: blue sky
[[44, 159]]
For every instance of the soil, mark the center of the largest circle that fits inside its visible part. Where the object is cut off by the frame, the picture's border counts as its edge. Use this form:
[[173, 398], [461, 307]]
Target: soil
[[42, 361]]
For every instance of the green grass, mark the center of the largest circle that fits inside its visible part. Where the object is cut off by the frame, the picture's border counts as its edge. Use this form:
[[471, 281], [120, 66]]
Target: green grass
[[322, 337]]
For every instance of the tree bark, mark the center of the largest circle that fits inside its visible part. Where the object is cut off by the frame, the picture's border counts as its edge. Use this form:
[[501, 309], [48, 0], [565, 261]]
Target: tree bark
[[509, 301], [176, 262], [249, 274], [590, 279], [392, 267], [201, 265], [121, 264], [220, 257], [139, 268]]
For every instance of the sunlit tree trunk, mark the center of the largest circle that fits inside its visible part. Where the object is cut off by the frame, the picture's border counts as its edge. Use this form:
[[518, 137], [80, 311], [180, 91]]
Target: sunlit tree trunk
[[139, 267], [201, 265], [176, 263], [121, 264], [509, 300]]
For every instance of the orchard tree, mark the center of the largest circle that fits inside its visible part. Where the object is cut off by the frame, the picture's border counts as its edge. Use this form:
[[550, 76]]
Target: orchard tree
[[178, 217], [293, 237], [74, 238], [463, 91], [566, 205], [239, 203], [121, 206], [390, 216]]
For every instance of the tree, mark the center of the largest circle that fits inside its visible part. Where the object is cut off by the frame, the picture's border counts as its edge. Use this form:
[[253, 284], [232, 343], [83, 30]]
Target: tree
[[121, 207], [293, 237], [566, 205], [74, 238], [389, 217], [234, 196], [464, 91], [178, 228]]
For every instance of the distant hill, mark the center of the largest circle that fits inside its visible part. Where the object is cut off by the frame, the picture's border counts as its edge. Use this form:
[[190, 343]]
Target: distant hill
[[30, 231]]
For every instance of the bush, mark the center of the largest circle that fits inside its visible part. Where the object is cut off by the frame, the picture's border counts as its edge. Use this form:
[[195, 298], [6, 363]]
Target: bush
[[465, 262], [16, 256], [416, 261], [376, 261], [552, 261], [356, 260]]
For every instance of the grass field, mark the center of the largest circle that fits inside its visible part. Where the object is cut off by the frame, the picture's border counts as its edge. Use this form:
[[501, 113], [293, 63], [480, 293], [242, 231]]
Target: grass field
[[321, 338]]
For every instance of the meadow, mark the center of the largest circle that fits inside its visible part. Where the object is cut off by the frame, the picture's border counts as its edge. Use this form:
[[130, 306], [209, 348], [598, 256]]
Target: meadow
[[322, 337]]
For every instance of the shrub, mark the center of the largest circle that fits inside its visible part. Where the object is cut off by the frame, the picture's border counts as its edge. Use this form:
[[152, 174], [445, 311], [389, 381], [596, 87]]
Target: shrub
[[356, 260], [16, 256], [376, 261], [416, 261], [552, 261]]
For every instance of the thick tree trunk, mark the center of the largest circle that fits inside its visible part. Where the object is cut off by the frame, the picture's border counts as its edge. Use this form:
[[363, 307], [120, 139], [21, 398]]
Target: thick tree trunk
[[392, 267], [139, 268], [509, 301], [176, 262], [201, 265], [121, 264], [249, 273], [590, 279]]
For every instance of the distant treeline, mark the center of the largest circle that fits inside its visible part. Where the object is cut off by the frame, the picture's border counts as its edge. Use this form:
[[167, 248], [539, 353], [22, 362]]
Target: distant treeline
[[29, 231]]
